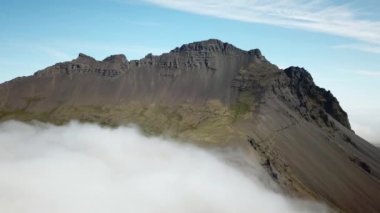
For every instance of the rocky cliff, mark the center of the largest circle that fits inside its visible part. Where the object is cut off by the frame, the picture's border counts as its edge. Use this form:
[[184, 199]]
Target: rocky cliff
[[216, 95]]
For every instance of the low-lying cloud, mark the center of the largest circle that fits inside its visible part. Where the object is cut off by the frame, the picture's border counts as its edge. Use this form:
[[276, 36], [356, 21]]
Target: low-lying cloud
[[87, 168]]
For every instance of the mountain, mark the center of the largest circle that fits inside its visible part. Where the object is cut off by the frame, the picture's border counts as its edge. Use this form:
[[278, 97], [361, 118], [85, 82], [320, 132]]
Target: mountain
[[216, 95]]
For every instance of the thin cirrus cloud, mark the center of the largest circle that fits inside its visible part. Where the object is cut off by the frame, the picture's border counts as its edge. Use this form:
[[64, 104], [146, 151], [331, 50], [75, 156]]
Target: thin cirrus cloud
[[62, 50], [368, 73], [368, 47], [320, 16]]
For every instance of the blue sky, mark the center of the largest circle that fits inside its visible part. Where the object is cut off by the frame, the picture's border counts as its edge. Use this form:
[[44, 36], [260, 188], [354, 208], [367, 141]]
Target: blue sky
[[337, 41]]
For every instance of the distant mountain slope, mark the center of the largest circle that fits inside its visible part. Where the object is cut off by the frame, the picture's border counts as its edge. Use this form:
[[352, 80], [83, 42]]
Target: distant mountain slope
[[217, 95]]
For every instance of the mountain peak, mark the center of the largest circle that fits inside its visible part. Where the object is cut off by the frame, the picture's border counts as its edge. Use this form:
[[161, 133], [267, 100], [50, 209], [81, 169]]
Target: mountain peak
[[210, 45], [257, 53], [83, 58], [298, 73], [119, 58]]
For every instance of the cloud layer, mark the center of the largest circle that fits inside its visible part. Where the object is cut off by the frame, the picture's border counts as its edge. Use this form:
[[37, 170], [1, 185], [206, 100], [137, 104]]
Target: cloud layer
[[321, 16], [86, 168]]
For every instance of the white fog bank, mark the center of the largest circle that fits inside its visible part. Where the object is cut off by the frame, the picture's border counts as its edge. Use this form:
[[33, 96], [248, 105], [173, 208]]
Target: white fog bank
[[84, 168]]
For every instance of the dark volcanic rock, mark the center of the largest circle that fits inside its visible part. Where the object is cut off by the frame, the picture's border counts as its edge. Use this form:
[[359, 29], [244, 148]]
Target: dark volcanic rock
[[312, 97], [83, 58], [214, 93], [209, 46], [120, 59]]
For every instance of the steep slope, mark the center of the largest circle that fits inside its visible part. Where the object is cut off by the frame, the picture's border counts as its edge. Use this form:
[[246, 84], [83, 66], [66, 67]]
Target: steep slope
[[217, 95]]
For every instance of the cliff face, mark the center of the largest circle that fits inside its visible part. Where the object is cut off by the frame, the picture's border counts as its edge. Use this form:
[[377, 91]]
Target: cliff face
[[315, 100], [194, 73], [215, 94]]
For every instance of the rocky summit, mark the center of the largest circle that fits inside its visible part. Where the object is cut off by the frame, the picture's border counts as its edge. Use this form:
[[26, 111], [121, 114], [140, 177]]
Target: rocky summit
[[215, 95]]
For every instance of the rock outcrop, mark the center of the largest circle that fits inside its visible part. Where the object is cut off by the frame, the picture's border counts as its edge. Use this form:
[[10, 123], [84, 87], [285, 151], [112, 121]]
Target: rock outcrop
[[315, 100]]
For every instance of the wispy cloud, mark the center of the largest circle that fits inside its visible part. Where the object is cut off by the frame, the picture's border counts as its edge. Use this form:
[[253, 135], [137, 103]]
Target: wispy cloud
[[37, 55], [133, 51], [365, 47], [53, 52], [144, 23], [63, 50], [319, 15], [368, 73]]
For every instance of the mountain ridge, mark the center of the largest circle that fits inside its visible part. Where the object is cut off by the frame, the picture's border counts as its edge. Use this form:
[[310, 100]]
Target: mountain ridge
[[114, 65], [217, 95]]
